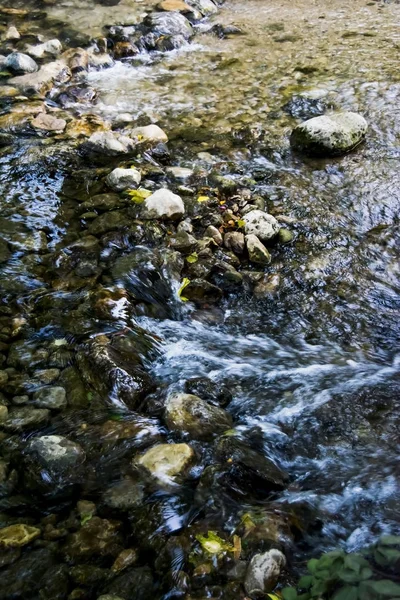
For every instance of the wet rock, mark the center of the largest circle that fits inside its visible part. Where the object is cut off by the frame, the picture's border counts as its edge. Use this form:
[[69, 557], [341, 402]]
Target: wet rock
[[47, 376], [261, 224], [183, 242], [77, 94], [174, 5], [54, 584], [285, 236], [124, 495], [123, 179], [20, 63], [77, 59], [171, 23], [263, 573], [52, 48], [26, 355], [249, 470], [110, 368], [88, 575], [41, 81], [133, 584], [267, 286], [25, 418], [12, 34], [96, 538], [109, 221], [23, 578], [301, 107], [109, 597], [46, 122], [329, 135], [234, 240], [167, 462], [107, 143], [164, 204], [257, 251], [53, 398], [125, 559], [180, 173], [206, 7], [190, 414], [19, 535], [102, 202], [216, 393], [124, 49], [149, 133], [202, 292], [215, 234]]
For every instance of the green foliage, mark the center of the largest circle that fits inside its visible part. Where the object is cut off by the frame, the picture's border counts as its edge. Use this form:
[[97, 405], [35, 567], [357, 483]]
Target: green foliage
[[370, 575]]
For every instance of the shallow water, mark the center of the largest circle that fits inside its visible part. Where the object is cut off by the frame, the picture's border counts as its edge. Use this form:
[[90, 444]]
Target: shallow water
[[313, 368]]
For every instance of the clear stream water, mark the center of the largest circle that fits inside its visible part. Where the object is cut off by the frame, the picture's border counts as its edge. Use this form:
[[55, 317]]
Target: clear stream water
[[313, 368]]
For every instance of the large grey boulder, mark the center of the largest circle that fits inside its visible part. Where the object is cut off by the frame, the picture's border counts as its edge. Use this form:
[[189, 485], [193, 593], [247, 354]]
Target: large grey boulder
[[169, 23], [123, 179], [190, 414], [263, 573], [261, 224], [17, 62], [164, 204], [329, 135]]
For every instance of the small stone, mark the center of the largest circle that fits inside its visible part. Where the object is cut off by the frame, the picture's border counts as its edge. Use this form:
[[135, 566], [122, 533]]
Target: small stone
[[149, 133], [3, 413], [213, 233], [206, 7], [25, 417], [167, 462], [123, 179], [169, 23], [234, 240], [17, 62], [285, 236], [263, 573], [51, 397], [180, 173], [190, 414], [51, 48], [125, 559], [107, 143], [261, 224], [86, 508], [47, 376], [174, 5], [20, 400], [47, 122], [19, 535], [41, 81], [329, 135], [257, 251], [12, 34], [164, 204], [124, 495], [183, 242], [3, 378], [268, 286], [202, 292]]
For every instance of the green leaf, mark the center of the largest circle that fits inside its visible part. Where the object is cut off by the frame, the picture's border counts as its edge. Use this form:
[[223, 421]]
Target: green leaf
[[355, 562], [384, 587], [386, 556], [305, 582], [289, 594], [349, 576], [366, 573], [319, 588], [389, 540], [86, 518], [312, 565], [347, 592]]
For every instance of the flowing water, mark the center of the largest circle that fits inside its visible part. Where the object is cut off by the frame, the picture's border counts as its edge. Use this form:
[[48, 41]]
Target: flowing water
[[312, 366]]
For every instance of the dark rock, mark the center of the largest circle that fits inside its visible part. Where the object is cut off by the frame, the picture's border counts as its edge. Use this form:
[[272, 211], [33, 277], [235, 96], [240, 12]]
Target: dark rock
[[25, 418], [301, 107], [171, 23], [190, 414], [96, 538], [202, 292], [133, 584], [216, 393]]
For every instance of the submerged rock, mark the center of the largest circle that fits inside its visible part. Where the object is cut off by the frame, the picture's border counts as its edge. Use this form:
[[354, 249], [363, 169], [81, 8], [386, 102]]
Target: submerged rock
[[190, 414], [329, 135], [51, 397], [24, 418], [20, 63], [202, 292], [15, 536], [107, 143], [96, 538], [46, 122], [263, 573], [164, 204], [261, 224], [257, 251], [167, 462], [123, 179]]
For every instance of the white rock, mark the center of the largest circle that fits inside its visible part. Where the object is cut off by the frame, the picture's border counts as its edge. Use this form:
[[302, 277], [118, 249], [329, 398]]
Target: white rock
[[206, 7], [50, 48], [263, 573], [149, 133], [12, 33], [164, 204], [20, 63], [108, 144], [42, 80], [261, 224], [181, 173], [123, 179], [257, 251], [165, 462], [329, 135]]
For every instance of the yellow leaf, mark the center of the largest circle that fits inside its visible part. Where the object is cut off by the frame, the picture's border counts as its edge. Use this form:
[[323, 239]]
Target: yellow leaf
[[237, 547], [192, 258], [274, 596], [140, 195], [240, 223], [185, 283], [203, 198]]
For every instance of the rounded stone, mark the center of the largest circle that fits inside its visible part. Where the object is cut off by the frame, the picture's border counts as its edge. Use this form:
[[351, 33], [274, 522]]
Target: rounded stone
[[164, 204], [190, 414], [166, 462], [257, 251], [329, 135], [261, 224], [123, 179], [263, 573], [18, 535], [20, 63]]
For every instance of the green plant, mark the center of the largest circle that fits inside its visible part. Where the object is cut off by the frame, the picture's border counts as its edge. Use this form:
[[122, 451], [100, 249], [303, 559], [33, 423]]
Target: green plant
[[372, 574]]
